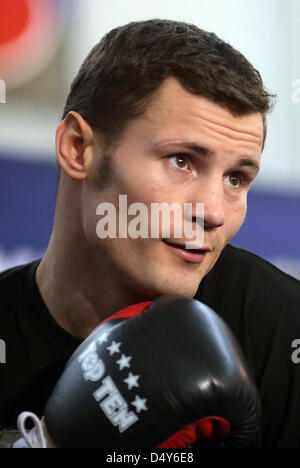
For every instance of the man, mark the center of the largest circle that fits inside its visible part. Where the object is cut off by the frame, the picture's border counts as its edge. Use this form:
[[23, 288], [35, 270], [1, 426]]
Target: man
[[160, 111]]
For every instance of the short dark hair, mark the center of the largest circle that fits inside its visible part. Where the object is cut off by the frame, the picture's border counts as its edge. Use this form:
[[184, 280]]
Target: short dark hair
[[118, 78]]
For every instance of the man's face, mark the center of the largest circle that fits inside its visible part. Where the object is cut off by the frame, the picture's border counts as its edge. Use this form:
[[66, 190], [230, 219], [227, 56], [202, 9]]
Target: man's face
[[157, 161]]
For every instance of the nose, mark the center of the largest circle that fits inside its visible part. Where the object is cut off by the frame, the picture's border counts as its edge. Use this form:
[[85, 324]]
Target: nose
[[212, 195]]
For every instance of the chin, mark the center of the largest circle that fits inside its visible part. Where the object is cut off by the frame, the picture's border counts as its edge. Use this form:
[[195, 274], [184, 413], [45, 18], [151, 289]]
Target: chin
[[153, 292], [164, 282], [187, 292]]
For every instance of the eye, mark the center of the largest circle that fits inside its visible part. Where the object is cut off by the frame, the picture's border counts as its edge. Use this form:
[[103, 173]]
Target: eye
[[237, 179], [180, 161]]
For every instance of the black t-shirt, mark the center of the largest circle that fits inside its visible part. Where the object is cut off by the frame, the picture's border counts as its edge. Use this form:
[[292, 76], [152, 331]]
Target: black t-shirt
[[37, 348], [260, 303]]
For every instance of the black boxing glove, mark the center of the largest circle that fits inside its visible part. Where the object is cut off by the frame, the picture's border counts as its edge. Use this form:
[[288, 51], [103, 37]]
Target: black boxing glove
[[210, 428], [138, 382]]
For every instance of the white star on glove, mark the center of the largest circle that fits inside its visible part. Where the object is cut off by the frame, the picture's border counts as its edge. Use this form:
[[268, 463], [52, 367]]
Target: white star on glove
[[124, 361], [114, 348], [132, 381], [140, 404], [103, 337]]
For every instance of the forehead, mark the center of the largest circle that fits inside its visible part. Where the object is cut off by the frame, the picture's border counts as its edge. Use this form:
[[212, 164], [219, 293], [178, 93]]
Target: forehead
[[173, 109]]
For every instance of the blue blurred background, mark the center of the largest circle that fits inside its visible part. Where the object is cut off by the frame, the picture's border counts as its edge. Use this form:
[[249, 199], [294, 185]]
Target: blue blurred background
[[42, 45]]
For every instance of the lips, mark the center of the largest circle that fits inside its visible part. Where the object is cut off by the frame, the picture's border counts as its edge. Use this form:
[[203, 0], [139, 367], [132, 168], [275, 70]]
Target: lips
[[189, 255], [189, 246]]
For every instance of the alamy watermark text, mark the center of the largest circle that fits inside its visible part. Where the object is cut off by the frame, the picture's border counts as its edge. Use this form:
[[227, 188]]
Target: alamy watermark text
[[296, 92], [2, 352], [2, 92], [157, 220]]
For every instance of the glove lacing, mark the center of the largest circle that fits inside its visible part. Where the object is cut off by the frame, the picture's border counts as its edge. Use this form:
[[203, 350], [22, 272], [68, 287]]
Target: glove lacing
[[34, 438]]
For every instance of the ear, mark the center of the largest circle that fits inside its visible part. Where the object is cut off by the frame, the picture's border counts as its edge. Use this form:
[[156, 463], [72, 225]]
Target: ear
[[74, 140]]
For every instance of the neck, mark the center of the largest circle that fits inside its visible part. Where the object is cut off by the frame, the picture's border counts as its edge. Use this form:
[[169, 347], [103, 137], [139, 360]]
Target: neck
[[79, 292]]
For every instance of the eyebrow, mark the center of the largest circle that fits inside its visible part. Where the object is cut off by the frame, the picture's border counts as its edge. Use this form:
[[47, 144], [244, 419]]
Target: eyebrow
[[202, 151]]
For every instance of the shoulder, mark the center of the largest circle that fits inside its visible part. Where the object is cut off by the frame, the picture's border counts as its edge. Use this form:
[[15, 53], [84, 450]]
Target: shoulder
[[8, 275], [255, 298], [12, 282], [242, 258], [12, 275], [237, 267]]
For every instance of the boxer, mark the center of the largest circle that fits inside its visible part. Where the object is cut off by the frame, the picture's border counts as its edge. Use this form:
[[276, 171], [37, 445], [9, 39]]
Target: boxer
[[161, 112]]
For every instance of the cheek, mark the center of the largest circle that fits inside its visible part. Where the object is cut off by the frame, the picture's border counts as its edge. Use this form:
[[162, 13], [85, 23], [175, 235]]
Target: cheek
[[149, 190], [145, 181], [95, 200], [235, 218]]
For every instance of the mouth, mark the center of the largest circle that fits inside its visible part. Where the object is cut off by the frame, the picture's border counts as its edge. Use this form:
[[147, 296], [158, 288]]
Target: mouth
[[195, 255]]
